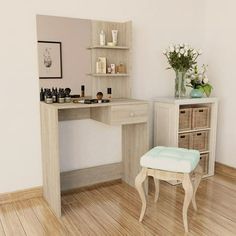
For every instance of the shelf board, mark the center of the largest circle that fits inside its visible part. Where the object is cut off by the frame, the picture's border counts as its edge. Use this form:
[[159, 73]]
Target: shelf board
[[108, 75], [108, 47], [204, 152], [193, 130]]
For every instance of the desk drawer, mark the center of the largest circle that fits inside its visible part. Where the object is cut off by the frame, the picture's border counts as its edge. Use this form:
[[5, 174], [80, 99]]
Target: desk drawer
[[128, 114]]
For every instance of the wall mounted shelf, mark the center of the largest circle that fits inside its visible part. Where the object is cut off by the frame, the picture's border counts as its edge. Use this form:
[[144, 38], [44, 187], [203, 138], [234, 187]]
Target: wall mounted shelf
[[108, 47], [107, 75]]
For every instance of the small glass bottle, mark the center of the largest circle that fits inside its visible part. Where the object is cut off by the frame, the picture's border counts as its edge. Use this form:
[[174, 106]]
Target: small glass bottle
[[41, 95], [49, 97], [61, 96], [82, 90], [109, 92], [54, 95]]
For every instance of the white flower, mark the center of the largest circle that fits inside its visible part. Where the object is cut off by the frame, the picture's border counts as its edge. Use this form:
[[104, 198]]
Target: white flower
[[182, 51], [171, 47], [194, 51], [177, 50], [179, 55], [177, 46], [186, 54], [186, 47], [181, 45], [199, 52], [188, 81], [205, 80], [165, 52], [192, 76]]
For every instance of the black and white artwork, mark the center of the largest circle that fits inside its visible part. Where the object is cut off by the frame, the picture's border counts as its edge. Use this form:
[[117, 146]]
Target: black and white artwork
[[49, 59]]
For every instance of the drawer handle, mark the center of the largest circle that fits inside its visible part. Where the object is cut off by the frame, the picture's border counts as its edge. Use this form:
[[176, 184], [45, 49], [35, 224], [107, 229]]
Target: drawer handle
[[199, 134], [131, 114], [182, 136], [182, 112], [201, 110]]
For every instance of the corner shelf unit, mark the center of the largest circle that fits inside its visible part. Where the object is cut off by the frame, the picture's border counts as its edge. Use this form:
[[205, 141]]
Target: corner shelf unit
[[120, 83], [166, 125]]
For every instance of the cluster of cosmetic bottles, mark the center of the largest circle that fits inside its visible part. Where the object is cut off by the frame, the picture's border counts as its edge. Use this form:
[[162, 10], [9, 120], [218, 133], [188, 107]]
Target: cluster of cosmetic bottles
[[54, 95]]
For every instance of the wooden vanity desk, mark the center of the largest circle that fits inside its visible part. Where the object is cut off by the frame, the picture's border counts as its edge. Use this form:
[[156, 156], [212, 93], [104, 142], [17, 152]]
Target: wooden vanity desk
[[130, 114]]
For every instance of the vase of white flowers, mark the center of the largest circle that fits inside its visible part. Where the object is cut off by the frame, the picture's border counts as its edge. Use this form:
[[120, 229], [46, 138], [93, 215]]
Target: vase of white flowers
[[181, 58], [198, 80]]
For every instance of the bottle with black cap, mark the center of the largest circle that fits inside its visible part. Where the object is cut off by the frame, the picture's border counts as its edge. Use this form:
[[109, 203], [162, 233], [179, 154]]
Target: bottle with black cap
[[67, 95], [109, 92], [41, 95], [82, 91]]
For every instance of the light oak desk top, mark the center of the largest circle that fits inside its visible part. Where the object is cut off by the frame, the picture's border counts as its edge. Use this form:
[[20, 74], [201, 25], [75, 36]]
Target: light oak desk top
[[114, 102], [130, 114]]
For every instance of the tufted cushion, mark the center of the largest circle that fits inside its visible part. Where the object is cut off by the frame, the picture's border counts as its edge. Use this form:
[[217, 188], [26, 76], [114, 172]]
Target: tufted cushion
[[171, 159]]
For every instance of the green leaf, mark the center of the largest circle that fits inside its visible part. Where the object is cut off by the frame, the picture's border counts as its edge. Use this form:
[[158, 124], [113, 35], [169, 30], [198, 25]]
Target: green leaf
[[207, 89]]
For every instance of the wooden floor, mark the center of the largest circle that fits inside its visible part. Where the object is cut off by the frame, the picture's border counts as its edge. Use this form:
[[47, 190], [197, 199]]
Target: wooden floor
[[114, 210]]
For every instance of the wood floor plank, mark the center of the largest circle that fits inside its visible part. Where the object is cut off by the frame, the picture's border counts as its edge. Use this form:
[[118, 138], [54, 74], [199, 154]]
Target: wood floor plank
[[114, 210], [28, 219], [81, 219], [2, 233], [130, 200], [206, 214], [109, 224], [51, 224], [10, 221]]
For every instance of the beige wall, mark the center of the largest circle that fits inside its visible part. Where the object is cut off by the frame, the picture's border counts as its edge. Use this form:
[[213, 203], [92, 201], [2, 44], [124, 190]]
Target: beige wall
[[221, 50], [156, 24], [74, 34]]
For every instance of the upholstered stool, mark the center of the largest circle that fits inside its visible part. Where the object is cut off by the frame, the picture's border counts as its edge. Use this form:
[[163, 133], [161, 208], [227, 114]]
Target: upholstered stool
[[167, 163]]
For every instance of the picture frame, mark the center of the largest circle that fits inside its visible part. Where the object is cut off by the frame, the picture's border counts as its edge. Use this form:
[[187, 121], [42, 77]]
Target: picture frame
[[49, 60]]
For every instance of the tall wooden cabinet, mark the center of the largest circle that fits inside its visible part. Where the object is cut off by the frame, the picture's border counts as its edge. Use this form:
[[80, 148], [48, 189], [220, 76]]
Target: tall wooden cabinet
[[188, 123], [121, 53]]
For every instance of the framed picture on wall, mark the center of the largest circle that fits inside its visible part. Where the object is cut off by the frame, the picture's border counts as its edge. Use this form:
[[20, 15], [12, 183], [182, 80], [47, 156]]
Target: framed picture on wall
[[49, 60]]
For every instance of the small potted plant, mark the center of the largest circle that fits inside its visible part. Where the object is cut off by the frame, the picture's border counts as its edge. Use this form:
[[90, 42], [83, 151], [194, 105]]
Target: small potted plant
[[198, 80]]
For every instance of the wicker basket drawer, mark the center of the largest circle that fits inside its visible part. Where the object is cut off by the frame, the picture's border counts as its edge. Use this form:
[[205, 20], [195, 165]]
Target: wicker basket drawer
[[185, 117], [200, 117], [185, 140], [200, 141], [204, 161]]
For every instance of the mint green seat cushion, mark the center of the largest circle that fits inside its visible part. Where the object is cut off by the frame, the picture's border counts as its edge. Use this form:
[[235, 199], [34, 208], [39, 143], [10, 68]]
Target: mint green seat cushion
[[171, 159]]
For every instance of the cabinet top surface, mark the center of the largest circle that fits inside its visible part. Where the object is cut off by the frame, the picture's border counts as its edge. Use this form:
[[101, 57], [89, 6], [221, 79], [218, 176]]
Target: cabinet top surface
[[114, 102], [183, 101]]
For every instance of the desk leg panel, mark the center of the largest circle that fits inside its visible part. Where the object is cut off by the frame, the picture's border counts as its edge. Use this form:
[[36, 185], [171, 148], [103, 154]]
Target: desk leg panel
[[134, 145], [50, 158]]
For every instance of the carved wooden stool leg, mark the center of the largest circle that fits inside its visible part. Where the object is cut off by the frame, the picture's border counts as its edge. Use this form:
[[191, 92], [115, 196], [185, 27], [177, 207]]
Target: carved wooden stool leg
[[197, 180], [139, 186], [188, 188], [157, 189]]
